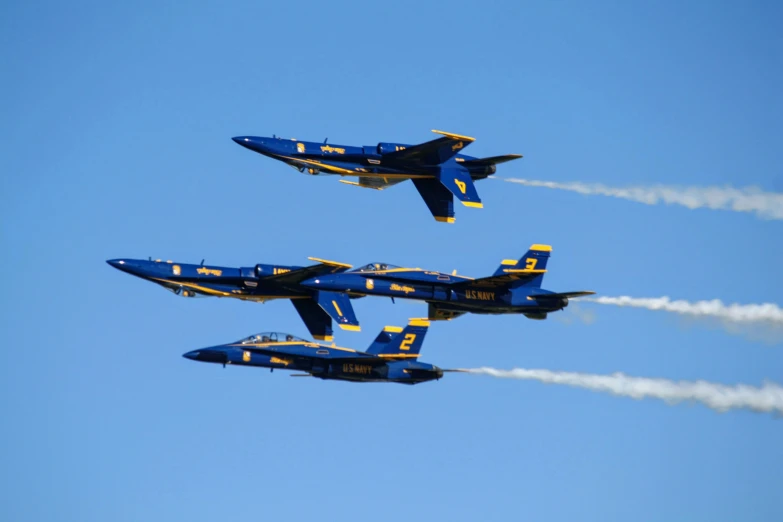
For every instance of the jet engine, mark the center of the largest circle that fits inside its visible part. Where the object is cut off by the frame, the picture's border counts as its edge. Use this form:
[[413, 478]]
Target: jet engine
[[385, 148]]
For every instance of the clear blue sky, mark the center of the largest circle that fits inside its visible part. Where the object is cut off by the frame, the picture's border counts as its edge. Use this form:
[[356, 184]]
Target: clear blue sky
[[115, 141]]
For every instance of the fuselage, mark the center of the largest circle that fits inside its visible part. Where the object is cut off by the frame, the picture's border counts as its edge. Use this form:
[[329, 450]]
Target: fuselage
[[347, 160], [188, 280], [445, 291], [317, 360]]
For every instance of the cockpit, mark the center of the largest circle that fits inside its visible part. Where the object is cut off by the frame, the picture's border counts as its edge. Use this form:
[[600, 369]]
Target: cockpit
[[272, 337], [375, 267]]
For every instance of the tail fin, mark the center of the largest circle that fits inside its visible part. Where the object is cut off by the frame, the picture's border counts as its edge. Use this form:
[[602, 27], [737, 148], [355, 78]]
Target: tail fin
[[395, 342], [460, 183], [533, 263], [338, 306]]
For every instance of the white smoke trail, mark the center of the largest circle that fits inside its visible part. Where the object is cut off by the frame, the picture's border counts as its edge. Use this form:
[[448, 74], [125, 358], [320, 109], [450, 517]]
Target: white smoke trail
[[719, 397], [766, 205], [769, 313]]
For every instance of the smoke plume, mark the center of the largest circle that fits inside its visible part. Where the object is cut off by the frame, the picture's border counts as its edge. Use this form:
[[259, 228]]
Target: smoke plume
[[769, 313], [719, 397], [766, 205]]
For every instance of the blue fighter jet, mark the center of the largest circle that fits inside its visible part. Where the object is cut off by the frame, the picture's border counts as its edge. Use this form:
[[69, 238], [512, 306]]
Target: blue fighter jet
[[436, 167], [392, 357], [514, 288], [258, 283]]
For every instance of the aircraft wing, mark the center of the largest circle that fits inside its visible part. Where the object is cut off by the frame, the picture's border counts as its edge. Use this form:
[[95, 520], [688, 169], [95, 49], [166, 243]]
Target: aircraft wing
[[301, 274], [377, 183], [432, 152]]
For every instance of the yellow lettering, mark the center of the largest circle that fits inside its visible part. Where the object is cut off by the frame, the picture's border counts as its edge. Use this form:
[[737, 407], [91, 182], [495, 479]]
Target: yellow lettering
[[398, 288], [460, 185], [479, 295], [329, 148], [280, 270], [530, 263], [406, 343], [209, 271]]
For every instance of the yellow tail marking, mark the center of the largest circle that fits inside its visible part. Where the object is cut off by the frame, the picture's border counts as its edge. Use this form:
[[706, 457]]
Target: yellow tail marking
[[418, 322], [339, 312], [473, 204], [444, 219], [460, 185], [510, 262], [453, 136], [408, 341], [541, 248], [393, 329], [351, 327]]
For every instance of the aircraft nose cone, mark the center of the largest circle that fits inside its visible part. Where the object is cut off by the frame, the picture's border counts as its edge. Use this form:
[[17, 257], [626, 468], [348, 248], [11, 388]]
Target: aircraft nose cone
[[212, 355], [250, 142], [122, 264]]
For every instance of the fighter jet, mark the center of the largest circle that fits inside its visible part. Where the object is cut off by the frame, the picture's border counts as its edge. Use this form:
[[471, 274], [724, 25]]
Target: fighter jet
[[437, 168], [392, 357], [258, 283], [514, 288]]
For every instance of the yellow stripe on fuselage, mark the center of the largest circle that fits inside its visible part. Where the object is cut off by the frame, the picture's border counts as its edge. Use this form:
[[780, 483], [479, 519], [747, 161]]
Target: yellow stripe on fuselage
[[346, 172]]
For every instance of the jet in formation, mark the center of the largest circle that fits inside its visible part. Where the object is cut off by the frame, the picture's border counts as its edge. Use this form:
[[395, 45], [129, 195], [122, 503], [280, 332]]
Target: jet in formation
[[514, 288], [437, 168], [322, 292], [259, 283], [392, 357]]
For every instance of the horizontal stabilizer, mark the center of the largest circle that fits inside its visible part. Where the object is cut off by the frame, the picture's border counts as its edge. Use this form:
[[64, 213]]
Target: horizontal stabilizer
[[437, 313], [562, 294], [494, 160]]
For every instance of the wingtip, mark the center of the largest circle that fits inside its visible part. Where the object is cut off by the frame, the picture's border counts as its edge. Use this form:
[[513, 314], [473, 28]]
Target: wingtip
[[351, 327], [453, 136], [330, 263]]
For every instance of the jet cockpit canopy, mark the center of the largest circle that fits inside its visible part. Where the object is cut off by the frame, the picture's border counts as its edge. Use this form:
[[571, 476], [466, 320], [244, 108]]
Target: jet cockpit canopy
[[375, 267], [272, 337]]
